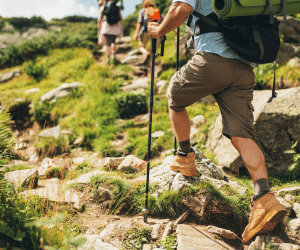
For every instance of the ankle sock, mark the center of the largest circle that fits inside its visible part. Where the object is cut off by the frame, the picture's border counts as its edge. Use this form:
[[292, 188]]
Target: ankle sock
[[185, 146], [261, 187]]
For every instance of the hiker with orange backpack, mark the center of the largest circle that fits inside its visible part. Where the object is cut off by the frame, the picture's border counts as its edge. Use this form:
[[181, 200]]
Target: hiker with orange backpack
[[149, 13]]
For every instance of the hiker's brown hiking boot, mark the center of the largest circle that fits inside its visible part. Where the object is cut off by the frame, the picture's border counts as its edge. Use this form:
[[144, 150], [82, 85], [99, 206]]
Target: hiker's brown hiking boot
[[185, 163], [266, 212]]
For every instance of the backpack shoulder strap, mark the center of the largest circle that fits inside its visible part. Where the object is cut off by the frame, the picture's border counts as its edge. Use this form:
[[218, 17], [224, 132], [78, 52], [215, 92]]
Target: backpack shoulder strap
[[208, 19], [208, 23]]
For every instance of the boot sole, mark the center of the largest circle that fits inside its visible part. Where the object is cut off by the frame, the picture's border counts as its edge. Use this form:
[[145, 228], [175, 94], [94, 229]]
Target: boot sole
[[184, 171], [274, 216]]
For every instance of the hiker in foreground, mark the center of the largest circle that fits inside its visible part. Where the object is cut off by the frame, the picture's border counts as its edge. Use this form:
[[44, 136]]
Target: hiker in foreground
[[217, 70], [147, 14], [111, 28]]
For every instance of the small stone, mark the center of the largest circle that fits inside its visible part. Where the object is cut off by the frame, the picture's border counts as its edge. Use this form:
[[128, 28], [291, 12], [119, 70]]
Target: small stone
[[158, 134], [167, 232], [155, 231], [296, 208], [198, 120], [182, 218], [222, 232]]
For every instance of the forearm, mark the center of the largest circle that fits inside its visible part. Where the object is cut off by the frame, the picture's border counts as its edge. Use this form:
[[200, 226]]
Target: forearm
[[177, 15], [138, 28], [99, 26]]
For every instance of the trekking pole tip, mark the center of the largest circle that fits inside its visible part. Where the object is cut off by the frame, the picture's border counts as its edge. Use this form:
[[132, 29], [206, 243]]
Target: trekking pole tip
[[145, 212]]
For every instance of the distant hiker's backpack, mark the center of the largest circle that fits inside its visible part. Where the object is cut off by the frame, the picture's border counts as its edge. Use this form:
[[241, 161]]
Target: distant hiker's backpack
[[112, 12], [254, 38], [151, 15]]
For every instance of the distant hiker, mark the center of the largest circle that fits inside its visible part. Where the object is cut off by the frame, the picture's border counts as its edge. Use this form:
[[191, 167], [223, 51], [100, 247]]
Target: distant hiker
[[217, 70], [111, 28], [147, 14], [100, 36]]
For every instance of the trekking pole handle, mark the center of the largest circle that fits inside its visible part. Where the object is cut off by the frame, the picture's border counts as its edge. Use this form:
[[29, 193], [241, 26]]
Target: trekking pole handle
[[163, 39], [153, 48]]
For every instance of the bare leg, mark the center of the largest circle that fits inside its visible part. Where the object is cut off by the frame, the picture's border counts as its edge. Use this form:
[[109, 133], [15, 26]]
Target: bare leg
[[181, 124], [114, 48], [252, 156], [108, 50]]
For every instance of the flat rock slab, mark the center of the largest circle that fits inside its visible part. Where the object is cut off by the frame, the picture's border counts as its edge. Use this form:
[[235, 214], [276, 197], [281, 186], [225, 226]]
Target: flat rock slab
[[195, 238], [55, 191]]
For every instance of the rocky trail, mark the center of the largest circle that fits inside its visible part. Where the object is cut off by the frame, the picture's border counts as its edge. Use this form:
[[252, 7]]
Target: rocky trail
[[204, 223]]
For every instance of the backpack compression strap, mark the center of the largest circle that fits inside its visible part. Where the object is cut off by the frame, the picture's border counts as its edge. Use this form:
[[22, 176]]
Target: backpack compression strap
[[211, 24]]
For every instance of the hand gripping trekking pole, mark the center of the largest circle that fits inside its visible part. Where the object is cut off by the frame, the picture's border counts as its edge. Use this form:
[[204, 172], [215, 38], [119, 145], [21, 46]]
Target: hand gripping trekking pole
[[153, 50], [177, 68]]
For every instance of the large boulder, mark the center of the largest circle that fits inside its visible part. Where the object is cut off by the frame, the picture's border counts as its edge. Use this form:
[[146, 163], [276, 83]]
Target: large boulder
[[277, 126], [290, 29], [62, 91]]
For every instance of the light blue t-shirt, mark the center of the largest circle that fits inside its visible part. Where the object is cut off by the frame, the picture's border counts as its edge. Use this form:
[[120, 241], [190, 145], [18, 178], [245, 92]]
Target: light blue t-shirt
[[212, 42]]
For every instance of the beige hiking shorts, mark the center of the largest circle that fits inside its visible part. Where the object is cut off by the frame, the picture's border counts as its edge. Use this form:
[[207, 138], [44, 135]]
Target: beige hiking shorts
[[230, 81]]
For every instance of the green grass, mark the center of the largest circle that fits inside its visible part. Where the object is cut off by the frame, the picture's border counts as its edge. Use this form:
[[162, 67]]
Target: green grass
[[136, 236], [18, 167], [90, 112], [169, 243]]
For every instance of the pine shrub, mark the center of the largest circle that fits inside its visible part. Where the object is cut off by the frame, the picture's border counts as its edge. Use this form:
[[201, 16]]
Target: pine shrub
[[130, 105], [38, 72], [6, 136]]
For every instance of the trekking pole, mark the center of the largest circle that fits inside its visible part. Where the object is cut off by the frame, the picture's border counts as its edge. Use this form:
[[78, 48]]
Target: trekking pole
[[153, 50], [177, 68]]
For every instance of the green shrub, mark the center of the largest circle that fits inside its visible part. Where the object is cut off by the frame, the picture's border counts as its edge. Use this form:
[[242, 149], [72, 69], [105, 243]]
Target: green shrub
[[13, 217], [38, 72], [83, 168], [85, 35], [56, 172], [117, 185], [19, 22], [2, 23], [28, 49], [51, 147], [78, 19], [130, 22], [260, 72], [22, 23], [169, 243], [6, 136], [42, 112], [130, 105], [136, 236], [10, 57], [294, 169], [38, 22]]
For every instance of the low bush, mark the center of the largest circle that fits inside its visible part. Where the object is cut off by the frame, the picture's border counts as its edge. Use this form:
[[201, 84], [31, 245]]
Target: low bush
[[37, 72], [6, 136], [85, 35], [79, 19], [22, 23], [56, 172], [169, 243], [42, 113], [294, 169], [264, 75], [130, 105], [51, 147], [2, 23], [136, 237], [13, 217]]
